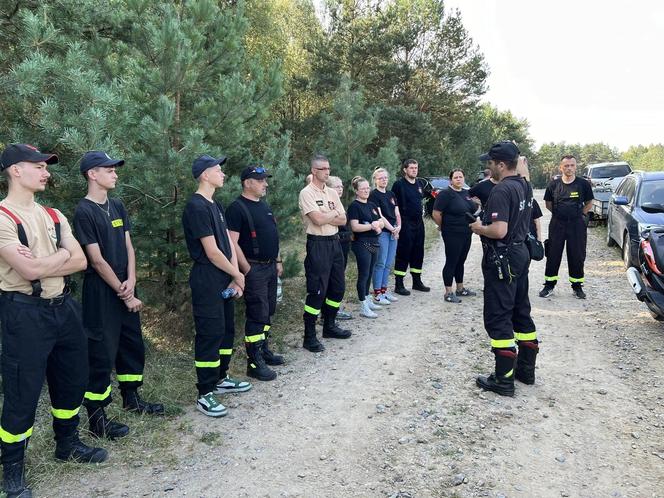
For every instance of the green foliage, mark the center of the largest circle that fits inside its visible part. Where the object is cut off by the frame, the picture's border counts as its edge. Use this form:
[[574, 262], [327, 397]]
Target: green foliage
[[645, 157]]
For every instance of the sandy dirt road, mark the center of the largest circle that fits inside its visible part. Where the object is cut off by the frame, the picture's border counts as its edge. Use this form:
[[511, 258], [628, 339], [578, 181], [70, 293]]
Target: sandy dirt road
[[395, 412]]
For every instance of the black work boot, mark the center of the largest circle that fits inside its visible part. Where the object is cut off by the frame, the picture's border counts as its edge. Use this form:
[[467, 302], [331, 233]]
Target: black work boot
[[14, 480], [132, 402], [417, 283], [101, 426], [502, 380], [311, 342], [269, 356], [72, 448], [525, 362], [399, 288], [330, 328], [256, 366], [577, 289]]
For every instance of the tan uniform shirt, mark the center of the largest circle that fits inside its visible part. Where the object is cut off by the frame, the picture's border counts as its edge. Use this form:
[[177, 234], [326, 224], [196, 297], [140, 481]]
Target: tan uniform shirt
[[314, 199], [40, 230]]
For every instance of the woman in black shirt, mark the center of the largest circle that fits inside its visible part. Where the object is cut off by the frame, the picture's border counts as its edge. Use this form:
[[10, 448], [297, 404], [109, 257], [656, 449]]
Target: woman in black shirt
[[450, 214], [366, 224]]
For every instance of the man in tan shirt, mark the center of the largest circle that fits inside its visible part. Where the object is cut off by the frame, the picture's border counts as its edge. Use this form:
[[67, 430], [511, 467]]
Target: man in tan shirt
[[42, 333], [322, 213]]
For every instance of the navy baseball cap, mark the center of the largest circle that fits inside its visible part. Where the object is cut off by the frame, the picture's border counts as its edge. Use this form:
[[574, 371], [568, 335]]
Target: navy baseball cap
[[201, 163], [16, 153], [502, 151], [98, 159], [255, 172]]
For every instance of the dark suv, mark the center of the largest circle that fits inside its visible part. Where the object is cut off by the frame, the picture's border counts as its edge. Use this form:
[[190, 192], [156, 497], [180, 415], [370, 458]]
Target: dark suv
[[636, 205]]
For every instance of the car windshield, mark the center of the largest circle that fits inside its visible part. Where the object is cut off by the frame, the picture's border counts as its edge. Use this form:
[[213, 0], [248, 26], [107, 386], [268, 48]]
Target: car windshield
[[440, 183], [652, 194], [610, 171]]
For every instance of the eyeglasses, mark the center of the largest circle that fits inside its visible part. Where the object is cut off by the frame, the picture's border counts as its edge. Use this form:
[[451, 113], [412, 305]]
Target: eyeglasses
[[260, 170], [322, 169]]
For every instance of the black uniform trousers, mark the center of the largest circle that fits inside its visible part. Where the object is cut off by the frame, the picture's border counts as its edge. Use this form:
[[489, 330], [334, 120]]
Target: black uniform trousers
[[260, 298], [114, 340], [214, 320], [410, 247], [324, 267], [572, 233], [457, 246], [506, 303], [41, 339]]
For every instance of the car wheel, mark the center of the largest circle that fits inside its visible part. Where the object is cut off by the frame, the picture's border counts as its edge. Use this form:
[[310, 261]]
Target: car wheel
[[656, 316], [609, 240], [627, 251]]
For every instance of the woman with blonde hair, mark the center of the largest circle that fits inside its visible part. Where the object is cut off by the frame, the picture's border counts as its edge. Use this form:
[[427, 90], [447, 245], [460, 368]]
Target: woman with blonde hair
[[387, 239], [366, 224]]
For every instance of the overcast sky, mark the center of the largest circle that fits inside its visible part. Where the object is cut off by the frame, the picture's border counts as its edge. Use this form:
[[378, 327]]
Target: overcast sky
[[578, 70]]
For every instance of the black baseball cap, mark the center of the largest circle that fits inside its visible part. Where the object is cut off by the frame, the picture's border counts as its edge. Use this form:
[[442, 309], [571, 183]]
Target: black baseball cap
[[16, 153], [502, 151], [255, 172], [98, 159], [201, 163]]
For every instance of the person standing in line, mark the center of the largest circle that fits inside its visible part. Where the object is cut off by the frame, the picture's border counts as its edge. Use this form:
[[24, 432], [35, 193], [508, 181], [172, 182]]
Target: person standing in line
[[253, 230], [345, 238], [410, 248], [215, 279], [387, 239], [503, 231], [481, 190], [569, 198], [366, 224], [322, 214], [42, 331], [451, 211], [110, 306]]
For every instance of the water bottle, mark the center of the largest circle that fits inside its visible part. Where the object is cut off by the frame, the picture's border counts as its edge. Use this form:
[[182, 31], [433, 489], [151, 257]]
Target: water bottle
[[228, 293], [280, 291]]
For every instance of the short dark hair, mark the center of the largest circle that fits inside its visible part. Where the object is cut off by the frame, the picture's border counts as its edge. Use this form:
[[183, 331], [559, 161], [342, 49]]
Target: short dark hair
[[568, 156], [456, 170], [319, 158], [407, 162], [511, 165]]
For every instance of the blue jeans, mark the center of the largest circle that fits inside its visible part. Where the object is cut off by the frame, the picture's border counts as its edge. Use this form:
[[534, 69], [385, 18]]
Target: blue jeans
[[384, 260]]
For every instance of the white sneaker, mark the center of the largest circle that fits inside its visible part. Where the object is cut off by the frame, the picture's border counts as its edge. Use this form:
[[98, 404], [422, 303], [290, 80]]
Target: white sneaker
[[390, 297], [382, 300], [231, 385], [366, 311], [208, 405], [372, 305]]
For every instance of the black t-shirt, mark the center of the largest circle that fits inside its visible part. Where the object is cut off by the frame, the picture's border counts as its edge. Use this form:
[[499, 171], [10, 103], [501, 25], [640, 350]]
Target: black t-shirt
[[508, 202], [264, 223], [364, 213], [387, 202], [202, 218], [454, 206], [568, 199], [535, 214], [482, 190], [93, 225], [409, 198]]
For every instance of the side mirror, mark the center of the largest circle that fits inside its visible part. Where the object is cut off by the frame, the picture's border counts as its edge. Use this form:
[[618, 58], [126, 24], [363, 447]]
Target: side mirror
[[619, 200]]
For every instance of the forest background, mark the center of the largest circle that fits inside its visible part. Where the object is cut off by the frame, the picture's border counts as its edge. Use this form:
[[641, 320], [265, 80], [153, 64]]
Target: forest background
[[367, 83]]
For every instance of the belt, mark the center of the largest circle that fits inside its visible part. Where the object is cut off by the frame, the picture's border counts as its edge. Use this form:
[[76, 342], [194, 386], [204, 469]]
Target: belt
[[323, 237], [34, 300], [261, 261]]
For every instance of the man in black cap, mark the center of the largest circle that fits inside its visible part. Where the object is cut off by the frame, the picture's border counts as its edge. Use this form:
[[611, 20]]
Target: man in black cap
[[503, 231], [569, 198], [253, 230], [42, 333], [110, 306], [214, 278]]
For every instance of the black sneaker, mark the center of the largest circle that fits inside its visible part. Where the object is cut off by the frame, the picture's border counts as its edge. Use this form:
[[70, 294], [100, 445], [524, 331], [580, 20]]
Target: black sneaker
[[578, 292], [546, 291]]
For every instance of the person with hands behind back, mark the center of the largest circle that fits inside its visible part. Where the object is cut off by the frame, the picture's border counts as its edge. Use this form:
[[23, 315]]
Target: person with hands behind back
[[214, 274], [452, 210], [110, 306], [366, 224]]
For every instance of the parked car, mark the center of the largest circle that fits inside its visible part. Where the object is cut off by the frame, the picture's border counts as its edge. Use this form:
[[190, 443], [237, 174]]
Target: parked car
[[636, 205], [606, 174], [433, 185]]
